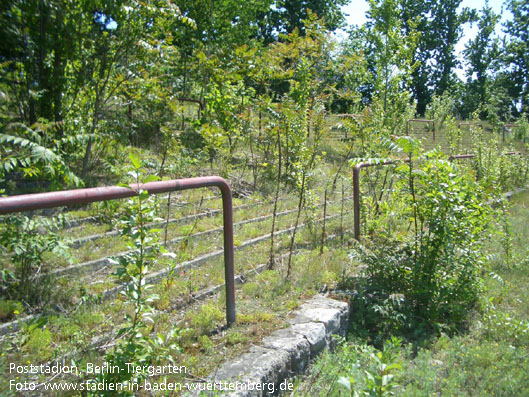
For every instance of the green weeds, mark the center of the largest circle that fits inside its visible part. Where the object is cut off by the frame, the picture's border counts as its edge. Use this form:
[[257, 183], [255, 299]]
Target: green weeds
[[25, 242], [489, 355], [356, 369]]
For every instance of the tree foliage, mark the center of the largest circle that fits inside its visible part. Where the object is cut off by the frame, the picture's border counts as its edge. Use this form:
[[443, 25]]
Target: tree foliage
[[483, 57], [517, 51], [89, 77]]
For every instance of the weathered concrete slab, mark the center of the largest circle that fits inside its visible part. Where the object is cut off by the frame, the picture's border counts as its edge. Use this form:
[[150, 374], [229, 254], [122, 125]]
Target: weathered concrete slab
[[296, 345], [285, 352], [256, 373], [314, 333]]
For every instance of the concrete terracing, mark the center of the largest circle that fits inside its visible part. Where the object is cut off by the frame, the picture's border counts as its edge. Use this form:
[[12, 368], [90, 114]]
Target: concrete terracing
[[285, 352]]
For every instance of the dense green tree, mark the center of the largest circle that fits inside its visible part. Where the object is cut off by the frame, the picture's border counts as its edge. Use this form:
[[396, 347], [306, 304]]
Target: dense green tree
[[440, 25], [221, 22], [349, 75], [66, 62], [414, 16], [283, 16], [389, 61], [517, 50], [482, 57], [447, 28], [37, 39], [221, 26], [293, 12], [78, 77]]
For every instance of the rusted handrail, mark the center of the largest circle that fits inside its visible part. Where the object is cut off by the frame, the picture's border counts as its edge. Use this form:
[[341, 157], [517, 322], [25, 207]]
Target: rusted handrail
[[28, 202], [197, 101], [470, 124], [356, 192], [356, 183], [427, 121], [461, 156], [471, 156]]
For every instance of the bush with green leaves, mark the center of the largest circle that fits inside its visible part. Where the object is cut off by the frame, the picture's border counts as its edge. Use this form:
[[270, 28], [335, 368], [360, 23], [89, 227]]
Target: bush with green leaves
[[521, 128], [450, 221], [9, 309], [504, 327], [430, 277], [378, 380], [25, 241], [32, 152]]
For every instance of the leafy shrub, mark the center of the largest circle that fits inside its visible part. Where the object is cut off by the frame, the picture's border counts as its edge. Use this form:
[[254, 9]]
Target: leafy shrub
[[24, 242], [430, 278], [451, 223], [206, 318], [521, 129], [504, 327], [32, 151], [136, 345], [38, 343], [253, 318], [105, 211], [251, 289], [466, 366], [379, 306], [192, 139], [235, 338], [206, 344], [378, 380], [356, 369]]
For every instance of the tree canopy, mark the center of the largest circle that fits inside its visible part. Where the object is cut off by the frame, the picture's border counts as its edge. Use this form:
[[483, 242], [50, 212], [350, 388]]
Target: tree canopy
[[74, 75]]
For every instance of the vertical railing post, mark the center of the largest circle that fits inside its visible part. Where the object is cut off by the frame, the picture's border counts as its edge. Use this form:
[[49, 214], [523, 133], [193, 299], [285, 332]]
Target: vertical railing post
[[229, 260], [356, 200]]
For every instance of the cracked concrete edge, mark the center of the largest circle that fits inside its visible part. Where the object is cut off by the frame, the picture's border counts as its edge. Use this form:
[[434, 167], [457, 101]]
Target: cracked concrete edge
[[286, 352]]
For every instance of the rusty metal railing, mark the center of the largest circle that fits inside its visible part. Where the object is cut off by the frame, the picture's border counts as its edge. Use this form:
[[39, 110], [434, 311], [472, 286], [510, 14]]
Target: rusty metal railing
[[470, 124], [471, 156], [427, 121], [28, 202], [356, 183], [356, 192]]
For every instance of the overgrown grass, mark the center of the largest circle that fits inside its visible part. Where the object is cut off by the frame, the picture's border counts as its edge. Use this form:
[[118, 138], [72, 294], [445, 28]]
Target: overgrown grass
[[265, 300], [259, 313], [488, 357]]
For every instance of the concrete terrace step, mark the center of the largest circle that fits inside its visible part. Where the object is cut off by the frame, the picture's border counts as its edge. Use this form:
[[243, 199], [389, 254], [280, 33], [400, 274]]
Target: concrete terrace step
[[265, 369]]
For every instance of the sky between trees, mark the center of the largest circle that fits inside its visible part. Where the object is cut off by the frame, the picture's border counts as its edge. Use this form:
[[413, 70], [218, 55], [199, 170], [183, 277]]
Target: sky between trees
[[356, 15]]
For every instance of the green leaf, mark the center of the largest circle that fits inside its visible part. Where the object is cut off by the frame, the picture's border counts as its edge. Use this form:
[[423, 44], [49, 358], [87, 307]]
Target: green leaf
[[136, 163], [152, 178]]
